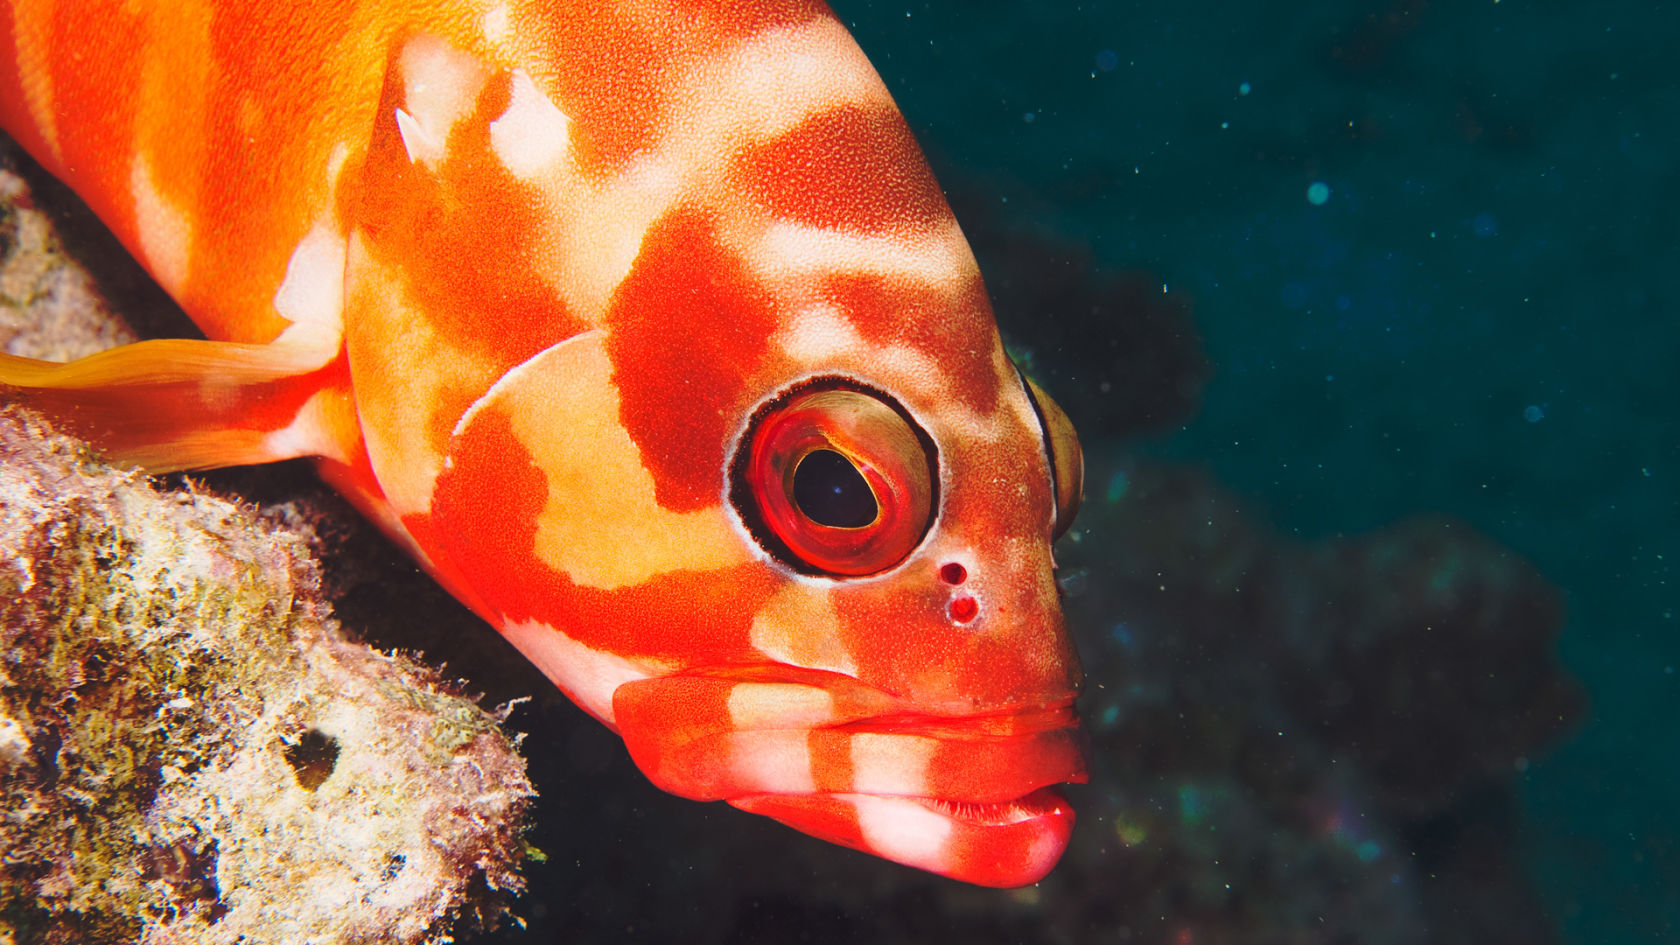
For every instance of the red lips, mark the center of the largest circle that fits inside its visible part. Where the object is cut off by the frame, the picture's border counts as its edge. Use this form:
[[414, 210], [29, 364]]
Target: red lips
[[1014, 844], [967, 797]]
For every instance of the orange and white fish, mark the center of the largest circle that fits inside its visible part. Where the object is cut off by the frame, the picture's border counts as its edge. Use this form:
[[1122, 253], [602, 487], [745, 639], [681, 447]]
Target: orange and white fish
[[644, 327]]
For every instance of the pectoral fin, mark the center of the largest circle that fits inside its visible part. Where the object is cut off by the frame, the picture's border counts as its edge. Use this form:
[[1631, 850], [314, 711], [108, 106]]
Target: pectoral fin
[[175, 404]]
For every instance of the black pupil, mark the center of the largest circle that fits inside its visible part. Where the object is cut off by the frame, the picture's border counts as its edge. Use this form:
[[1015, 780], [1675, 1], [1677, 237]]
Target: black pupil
[[830, 491]]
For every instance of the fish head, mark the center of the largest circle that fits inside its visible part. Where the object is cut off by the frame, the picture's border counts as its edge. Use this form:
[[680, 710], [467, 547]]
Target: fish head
[[741, 464], [826, 595]]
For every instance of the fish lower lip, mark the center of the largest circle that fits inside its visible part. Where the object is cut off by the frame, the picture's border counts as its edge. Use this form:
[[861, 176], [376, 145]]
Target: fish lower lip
[[1001, 844], [1039, 803]]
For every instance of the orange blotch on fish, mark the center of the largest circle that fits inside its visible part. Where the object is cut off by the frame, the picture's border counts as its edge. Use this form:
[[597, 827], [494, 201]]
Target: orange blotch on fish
[[688, 331], [489, 507], [939, 323], [563, 408], [850, 167], [468, 240], [617, 95], [733, 20]]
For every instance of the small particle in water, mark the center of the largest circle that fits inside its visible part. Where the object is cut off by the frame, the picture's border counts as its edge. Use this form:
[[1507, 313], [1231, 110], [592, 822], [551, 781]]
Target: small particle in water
[[1533, 413], [1118, 484], [1317, 193], [1244, 89], [1343, 303], [1074, 583], [1485, 225], [1029, 117], [1224, 124], [1190, 805], [1108, 60]]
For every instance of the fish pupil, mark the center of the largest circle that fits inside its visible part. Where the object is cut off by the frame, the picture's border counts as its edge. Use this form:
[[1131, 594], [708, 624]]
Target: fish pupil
[[831, 491]]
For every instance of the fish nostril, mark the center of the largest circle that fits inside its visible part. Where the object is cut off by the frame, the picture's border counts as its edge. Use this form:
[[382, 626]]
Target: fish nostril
[[953, 573], [963, 608]]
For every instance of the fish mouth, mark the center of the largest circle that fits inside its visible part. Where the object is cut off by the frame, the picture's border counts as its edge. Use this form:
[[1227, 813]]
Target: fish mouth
[[968, 796], [1003, 844]]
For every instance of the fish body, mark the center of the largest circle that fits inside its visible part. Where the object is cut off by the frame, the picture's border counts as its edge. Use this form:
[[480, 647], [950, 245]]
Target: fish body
[[645, 328]]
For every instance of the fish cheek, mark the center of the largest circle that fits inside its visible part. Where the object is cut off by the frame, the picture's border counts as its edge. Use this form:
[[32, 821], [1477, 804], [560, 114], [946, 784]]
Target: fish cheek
[[548, 513]]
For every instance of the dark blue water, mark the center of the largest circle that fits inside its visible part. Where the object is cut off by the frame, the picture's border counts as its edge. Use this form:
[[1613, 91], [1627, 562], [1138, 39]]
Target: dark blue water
[[1432, 254]]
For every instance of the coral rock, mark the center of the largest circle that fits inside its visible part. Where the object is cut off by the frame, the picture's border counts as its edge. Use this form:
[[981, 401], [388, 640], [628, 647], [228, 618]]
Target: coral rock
[[192, 751]]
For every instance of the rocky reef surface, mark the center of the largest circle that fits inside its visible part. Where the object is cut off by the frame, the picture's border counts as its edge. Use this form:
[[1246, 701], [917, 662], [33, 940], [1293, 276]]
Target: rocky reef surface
[[192, 750]]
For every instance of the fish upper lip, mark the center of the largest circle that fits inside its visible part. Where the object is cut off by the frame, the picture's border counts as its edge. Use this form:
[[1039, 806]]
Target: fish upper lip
[[1001, 724], [853, 739], [889, 710], [1007, 756]]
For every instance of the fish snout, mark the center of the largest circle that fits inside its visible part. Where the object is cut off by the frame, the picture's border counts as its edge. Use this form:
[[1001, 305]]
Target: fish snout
[[965, 796]]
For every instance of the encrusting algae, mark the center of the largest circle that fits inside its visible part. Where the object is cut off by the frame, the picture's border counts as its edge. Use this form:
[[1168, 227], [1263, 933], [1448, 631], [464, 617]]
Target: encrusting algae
[[191, 750]]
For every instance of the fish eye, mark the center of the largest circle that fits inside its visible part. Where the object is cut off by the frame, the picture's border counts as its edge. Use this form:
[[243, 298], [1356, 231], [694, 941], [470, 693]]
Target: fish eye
[[1067, 460], [835, 479], [830, 491]]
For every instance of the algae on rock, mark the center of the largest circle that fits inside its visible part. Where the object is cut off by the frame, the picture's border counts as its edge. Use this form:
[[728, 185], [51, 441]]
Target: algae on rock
[[191, 751]]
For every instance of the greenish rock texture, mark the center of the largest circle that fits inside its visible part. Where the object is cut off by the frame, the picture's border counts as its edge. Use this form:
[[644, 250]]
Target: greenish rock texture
[[191, 749]]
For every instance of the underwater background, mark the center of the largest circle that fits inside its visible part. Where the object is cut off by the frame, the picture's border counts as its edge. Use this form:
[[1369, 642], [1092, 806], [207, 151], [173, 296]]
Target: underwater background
[[1431, 252]]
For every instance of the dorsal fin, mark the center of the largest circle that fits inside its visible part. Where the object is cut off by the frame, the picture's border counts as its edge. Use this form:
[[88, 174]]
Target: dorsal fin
[[174, 404]]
